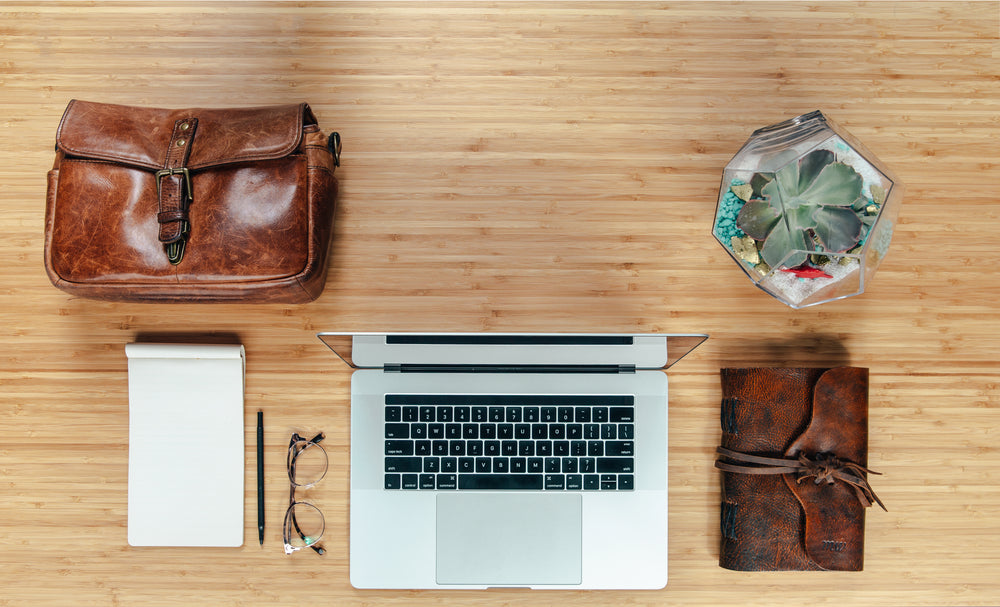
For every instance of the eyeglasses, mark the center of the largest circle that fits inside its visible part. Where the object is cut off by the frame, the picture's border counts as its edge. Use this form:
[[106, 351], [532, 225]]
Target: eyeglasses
[[304, 523]]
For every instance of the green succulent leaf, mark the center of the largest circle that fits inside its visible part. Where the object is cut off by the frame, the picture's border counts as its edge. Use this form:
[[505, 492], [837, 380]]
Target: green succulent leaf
[[810, 166], [757, 218], [838, 228], [836, 185], [782, 241]]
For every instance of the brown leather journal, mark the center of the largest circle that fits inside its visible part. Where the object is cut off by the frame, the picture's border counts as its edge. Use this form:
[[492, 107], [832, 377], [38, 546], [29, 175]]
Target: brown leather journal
[[191, 205], [794, 481]]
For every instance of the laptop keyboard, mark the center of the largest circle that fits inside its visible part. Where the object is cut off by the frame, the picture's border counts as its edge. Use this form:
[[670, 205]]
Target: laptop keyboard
[[491, 442]]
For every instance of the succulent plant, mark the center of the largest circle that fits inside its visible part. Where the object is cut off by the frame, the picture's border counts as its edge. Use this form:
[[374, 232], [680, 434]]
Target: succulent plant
[[814, 201]]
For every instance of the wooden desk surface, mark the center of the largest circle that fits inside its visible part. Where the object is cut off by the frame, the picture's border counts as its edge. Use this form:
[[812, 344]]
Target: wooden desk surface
[[520, 167]]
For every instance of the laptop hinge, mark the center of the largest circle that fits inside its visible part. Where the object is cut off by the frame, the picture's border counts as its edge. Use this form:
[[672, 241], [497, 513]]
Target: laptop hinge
[[427, 368]]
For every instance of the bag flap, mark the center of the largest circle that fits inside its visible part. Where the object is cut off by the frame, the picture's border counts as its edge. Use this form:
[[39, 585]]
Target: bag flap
[[834, 525], [140, 136]]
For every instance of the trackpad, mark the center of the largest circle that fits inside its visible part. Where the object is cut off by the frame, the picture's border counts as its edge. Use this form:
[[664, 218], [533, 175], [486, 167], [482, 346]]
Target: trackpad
[[509, 538]]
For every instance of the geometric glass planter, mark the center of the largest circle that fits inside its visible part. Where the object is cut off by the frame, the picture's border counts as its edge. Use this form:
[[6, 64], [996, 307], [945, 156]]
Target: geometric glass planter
[[807, 211]]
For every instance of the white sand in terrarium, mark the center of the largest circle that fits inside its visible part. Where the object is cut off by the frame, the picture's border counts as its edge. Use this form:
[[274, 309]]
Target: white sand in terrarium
[[796, 290]]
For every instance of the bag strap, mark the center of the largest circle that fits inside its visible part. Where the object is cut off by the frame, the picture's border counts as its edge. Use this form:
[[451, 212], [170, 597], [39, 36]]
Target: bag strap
[[173, 191]]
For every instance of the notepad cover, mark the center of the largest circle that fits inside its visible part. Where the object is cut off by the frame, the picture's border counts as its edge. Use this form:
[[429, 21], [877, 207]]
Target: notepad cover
[[186, 445]]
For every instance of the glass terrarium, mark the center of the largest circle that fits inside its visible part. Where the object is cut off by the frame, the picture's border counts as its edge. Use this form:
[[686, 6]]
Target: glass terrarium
[[807, 211]]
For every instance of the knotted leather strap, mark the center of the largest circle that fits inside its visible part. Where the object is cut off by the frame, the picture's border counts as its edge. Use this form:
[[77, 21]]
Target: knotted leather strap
[[825, 467]]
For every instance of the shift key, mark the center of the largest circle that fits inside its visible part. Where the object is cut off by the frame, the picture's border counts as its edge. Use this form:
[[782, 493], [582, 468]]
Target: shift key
[[609, 465], [403, 464]]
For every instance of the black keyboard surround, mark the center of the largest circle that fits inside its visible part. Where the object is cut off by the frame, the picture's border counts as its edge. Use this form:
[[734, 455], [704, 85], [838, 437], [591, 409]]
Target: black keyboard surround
[[509, 442]]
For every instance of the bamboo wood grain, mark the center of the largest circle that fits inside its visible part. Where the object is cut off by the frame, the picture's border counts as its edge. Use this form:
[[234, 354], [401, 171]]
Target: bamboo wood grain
[[520, 166]]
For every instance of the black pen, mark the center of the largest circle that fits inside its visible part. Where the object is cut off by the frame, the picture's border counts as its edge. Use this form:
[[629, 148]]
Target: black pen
[[260, 476]]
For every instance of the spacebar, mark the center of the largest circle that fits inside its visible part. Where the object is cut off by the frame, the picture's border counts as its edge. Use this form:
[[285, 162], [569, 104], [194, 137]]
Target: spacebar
[[500, 481]]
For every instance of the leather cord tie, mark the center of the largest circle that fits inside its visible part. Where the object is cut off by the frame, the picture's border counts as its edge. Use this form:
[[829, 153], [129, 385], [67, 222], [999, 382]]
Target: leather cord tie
[[824, 467]]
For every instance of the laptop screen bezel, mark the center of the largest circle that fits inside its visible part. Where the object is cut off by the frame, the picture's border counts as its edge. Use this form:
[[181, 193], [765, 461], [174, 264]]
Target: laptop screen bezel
[[640, 351]]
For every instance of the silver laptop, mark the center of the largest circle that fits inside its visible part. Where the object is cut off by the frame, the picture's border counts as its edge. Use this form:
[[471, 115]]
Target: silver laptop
[[509, 460]]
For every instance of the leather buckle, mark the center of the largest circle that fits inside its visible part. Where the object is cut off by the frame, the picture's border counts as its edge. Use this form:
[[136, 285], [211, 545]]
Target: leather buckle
[[175, 250], [178, 171]]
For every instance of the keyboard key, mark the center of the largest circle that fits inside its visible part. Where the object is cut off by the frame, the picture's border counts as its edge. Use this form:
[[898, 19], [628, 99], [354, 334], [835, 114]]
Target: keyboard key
[[393, 414], [452, 431], [435, 431], [626, 431], [609, 431], [548, 414], [488, 431], [483, 464], [427, 414], [525, 448], [560, 448], [508, 448], [500, 481], [522, 431], [496, 414], [447, 481], [591, 482], [432, 464], [578, 448], [555, 481], [543, 448], [449, 464], [539, 431], [398, 447], [427, 481], [403, 464], [626, 482], [531, 415], [588, 465], [615, 465], [439, 447], [619, 448], [410, 414], [574, 482], [470, 431], [474, 448], [501, 465], [410, 481], [418, 430], [505, 430], [422, 447], [570, 465], [462, 414], [557, 431], [479, 414], [518, 465], [397, 430], [565, 414], [392, 481], [491, 448], [595, 448], [621, 414], [592, 431], [552, 464], [582, 415], [456, 447], [513, 414], [445, 414], [574, 431], [535, 464], [466, 465], [599, 415]]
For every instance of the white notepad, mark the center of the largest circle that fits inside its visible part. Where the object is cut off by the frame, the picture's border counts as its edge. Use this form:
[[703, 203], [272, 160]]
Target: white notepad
[[185, 458]]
